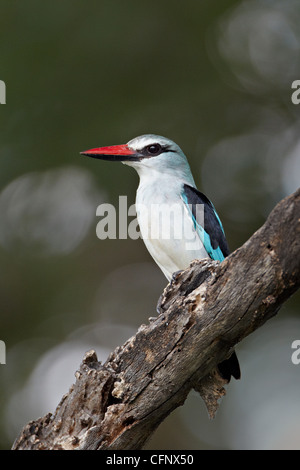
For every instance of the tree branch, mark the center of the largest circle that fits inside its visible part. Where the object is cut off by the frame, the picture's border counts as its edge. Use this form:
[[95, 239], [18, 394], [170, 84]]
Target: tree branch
[[205, 311]]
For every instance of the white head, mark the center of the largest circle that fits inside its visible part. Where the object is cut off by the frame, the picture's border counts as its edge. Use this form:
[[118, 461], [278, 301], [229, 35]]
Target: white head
[[149, 154]]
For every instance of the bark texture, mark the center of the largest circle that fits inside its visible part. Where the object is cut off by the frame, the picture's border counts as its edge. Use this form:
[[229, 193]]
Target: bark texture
[[204, 312]]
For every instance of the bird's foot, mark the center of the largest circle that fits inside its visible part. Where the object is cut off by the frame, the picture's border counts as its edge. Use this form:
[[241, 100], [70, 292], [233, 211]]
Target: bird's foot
[[174, 276], [158, 306]]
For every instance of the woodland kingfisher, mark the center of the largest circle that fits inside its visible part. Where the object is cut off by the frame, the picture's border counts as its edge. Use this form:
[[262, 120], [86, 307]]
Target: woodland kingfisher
[[194, 229]]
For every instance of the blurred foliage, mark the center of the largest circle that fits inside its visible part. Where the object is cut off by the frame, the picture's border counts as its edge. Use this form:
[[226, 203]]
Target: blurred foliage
[[214, 76]]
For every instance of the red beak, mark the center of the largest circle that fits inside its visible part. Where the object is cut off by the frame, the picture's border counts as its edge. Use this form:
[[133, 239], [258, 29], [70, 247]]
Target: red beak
[[113, 152]]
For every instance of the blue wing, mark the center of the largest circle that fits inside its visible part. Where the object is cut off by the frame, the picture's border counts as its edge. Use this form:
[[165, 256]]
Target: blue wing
[[211, 232]]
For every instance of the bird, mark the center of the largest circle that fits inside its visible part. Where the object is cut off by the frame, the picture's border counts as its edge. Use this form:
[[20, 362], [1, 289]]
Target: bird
[[166, 186]]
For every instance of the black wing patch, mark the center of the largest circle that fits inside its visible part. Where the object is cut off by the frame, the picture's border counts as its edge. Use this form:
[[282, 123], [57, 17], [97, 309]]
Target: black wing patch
[[212, 223]]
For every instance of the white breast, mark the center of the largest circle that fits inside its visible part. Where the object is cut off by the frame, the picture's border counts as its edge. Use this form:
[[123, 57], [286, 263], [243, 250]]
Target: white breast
[[167, 228]]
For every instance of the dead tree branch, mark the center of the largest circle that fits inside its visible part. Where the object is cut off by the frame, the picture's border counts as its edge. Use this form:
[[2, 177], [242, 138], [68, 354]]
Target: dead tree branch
[[205, 312]]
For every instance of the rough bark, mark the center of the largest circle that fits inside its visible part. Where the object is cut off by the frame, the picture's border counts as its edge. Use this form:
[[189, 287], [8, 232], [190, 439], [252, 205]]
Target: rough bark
[[205, 311]]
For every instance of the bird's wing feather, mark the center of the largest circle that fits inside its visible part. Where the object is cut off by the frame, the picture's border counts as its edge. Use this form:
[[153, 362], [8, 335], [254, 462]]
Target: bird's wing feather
[[210, 228]]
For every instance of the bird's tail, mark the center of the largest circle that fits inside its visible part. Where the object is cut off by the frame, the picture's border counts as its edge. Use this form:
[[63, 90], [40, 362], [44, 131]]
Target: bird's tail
[[230, 367]]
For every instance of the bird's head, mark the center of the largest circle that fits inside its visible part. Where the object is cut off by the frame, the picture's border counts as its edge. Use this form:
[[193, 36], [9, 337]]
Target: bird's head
[[147, 154]]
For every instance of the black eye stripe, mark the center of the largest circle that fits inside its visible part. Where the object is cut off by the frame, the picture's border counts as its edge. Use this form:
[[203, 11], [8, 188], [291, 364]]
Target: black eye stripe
[[155, 149]]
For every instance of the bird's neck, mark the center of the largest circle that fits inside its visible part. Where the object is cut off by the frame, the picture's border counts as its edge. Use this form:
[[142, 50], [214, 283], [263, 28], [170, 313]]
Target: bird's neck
[[155, 187], [165, 176]]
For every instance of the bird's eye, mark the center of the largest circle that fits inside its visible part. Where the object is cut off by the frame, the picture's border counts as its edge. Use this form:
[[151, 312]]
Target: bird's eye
[[154, 149]]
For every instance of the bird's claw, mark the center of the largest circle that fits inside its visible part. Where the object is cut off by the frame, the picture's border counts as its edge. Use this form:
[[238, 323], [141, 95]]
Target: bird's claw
[[158, 306], [174, 275]]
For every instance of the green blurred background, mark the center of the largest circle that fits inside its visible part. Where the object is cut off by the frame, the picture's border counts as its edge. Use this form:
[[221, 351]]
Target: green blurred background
[[214, 76]]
